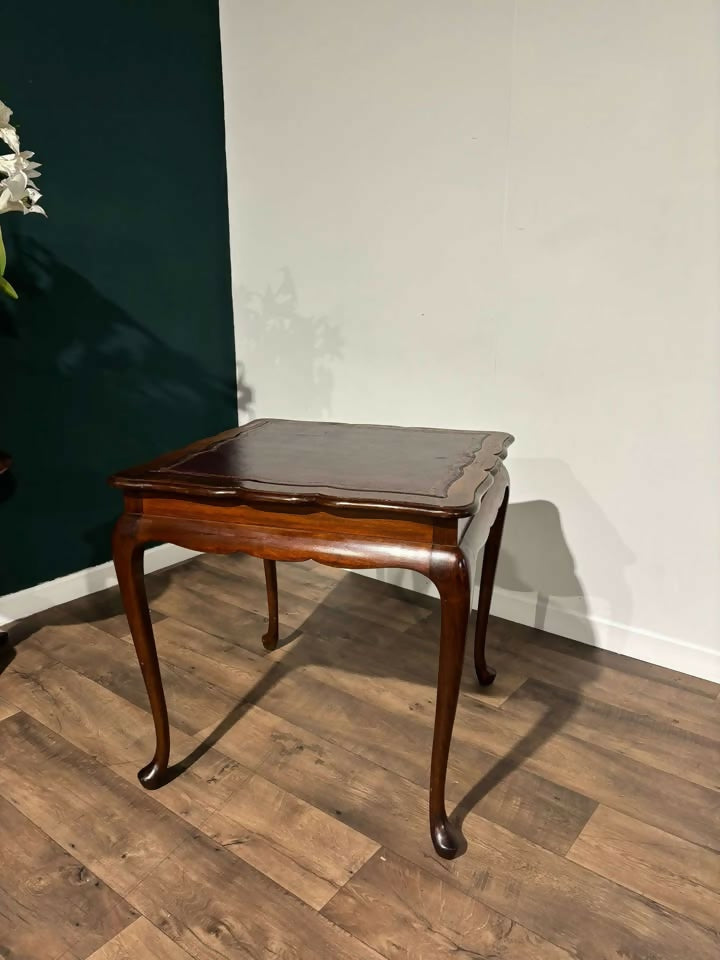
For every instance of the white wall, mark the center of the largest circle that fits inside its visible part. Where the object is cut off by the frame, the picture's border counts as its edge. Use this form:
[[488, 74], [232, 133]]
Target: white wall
[[480, 213]]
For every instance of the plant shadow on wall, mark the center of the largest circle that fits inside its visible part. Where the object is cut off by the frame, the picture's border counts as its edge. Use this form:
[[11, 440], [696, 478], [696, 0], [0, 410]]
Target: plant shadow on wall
[[294, 350], [377, 634], [87, 390]]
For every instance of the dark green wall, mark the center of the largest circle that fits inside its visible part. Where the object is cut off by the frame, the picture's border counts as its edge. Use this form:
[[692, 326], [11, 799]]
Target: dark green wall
[[121, 346]]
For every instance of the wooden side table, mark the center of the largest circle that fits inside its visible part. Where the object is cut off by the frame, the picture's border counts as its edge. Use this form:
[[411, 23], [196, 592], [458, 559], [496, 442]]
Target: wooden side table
[[342, 494]]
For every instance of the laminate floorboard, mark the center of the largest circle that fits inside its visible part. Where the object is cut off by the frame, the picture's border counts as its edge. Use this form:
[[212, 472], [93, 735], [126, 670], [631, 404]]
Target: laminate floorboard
[[295, 824]]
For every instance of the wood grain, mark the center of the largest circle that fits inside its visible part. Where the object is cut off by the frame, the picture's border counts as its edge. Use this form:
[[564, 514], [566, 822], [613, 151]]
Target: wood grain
[[103, 609], [657, 743], [399, 740], [396, 470], [680, 875], [621, 664], [79, 709], [306, 583], [121, 846], [113, 664], [297, 825], [594, 675], [575, 908], [213, 661], [6, 709], [348, 522], [611, 777], [211, 613], [298, 846], [140, 941], [534, 807], [330, 634], [50, 903], [405, 913], [555, 757], [560, 901], [213, 904]]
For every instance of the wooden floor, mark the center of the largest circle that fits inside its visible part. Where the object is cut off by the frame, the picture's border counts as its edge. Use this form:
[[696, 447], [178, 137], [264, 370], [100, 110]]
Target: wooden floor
[[587, 784]]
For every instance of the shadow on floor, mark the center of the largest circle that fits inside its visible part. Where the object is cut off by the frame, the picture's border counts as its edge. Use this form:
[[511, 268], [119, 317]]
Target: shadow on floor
[[101, 606], [392, 655], [386, 652]]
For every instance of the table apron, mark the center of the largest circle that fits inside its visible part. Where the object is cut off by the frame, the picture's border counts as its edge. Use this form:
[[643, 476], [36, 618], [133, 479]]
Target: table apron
[[380, 523], [291, 544]]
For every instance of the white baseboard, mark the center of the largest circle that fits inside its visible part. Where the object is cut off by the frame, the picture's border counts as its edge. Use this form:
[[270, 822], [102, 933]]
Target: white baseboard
[[15, 606], [586, 628], [520, 608], [608, 635]]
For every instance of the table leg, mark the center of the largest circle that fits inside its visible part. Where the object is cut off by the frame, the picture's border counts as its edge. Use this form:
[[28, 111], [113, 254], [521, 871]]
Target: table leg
[[454, 587], [486, 674], [270, 639], [128, 558]]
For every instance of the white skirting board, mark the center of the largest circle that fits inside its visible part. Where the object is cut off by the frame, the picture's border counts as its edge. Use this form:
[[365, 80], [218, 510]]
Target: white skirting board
[[588, 628], [520, 608], [15, 606], [599, 632]]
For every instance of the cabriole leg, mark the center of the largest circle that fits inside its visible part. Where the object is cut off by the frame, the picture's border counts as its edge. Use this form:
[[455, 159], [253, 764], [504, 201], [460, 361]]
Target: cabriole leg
[[270, 639], [486, 674], [454, 586], [128, 558]]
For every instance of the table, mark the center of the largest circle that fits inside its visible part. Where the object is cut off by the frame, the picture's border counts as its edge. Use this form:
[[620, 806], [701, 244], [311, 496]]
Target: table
[[347, 495]]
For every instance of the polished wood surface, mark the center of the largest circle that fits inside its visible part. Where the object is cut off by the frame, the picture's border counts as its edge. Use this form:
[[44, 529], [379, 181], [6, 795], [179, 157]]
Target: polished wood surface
[[270, 638], [346, 495], [491, 552], [584, 783], [404, 469]]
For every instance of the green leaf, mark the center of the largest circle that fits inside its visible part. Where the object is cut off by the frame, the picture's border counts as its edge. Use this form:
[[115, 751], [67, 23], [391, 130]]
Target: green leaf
[[6, 288], [3, 256]]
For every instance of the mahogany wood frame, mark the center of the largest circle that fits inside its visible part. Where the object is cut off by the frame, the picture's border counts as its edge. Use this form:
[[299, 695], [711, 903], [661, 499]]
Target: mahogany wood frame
[[337, 537]]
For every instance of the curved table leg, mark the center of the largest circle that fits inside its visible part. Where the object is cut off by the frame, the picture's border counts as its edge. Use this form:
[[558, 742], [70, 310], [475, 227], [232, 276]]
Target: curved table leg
[[128, 557], [446, 566], [486, 674], [454, 585], [270, 639]]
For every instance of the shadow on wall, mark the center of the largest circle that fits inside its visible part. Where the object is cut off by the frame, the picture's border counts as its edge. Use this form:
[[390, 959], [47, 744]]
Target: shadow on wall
[[296, 349], [555, 673], [363, 627], [87, 390], [375, 633], [536, 561]]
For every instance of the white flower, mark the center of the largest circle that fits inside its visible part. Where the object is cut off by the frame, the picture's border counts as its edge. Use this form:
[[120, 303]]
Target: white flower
[[11, 163], [17, 195], [18, 169], [7, 130]]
